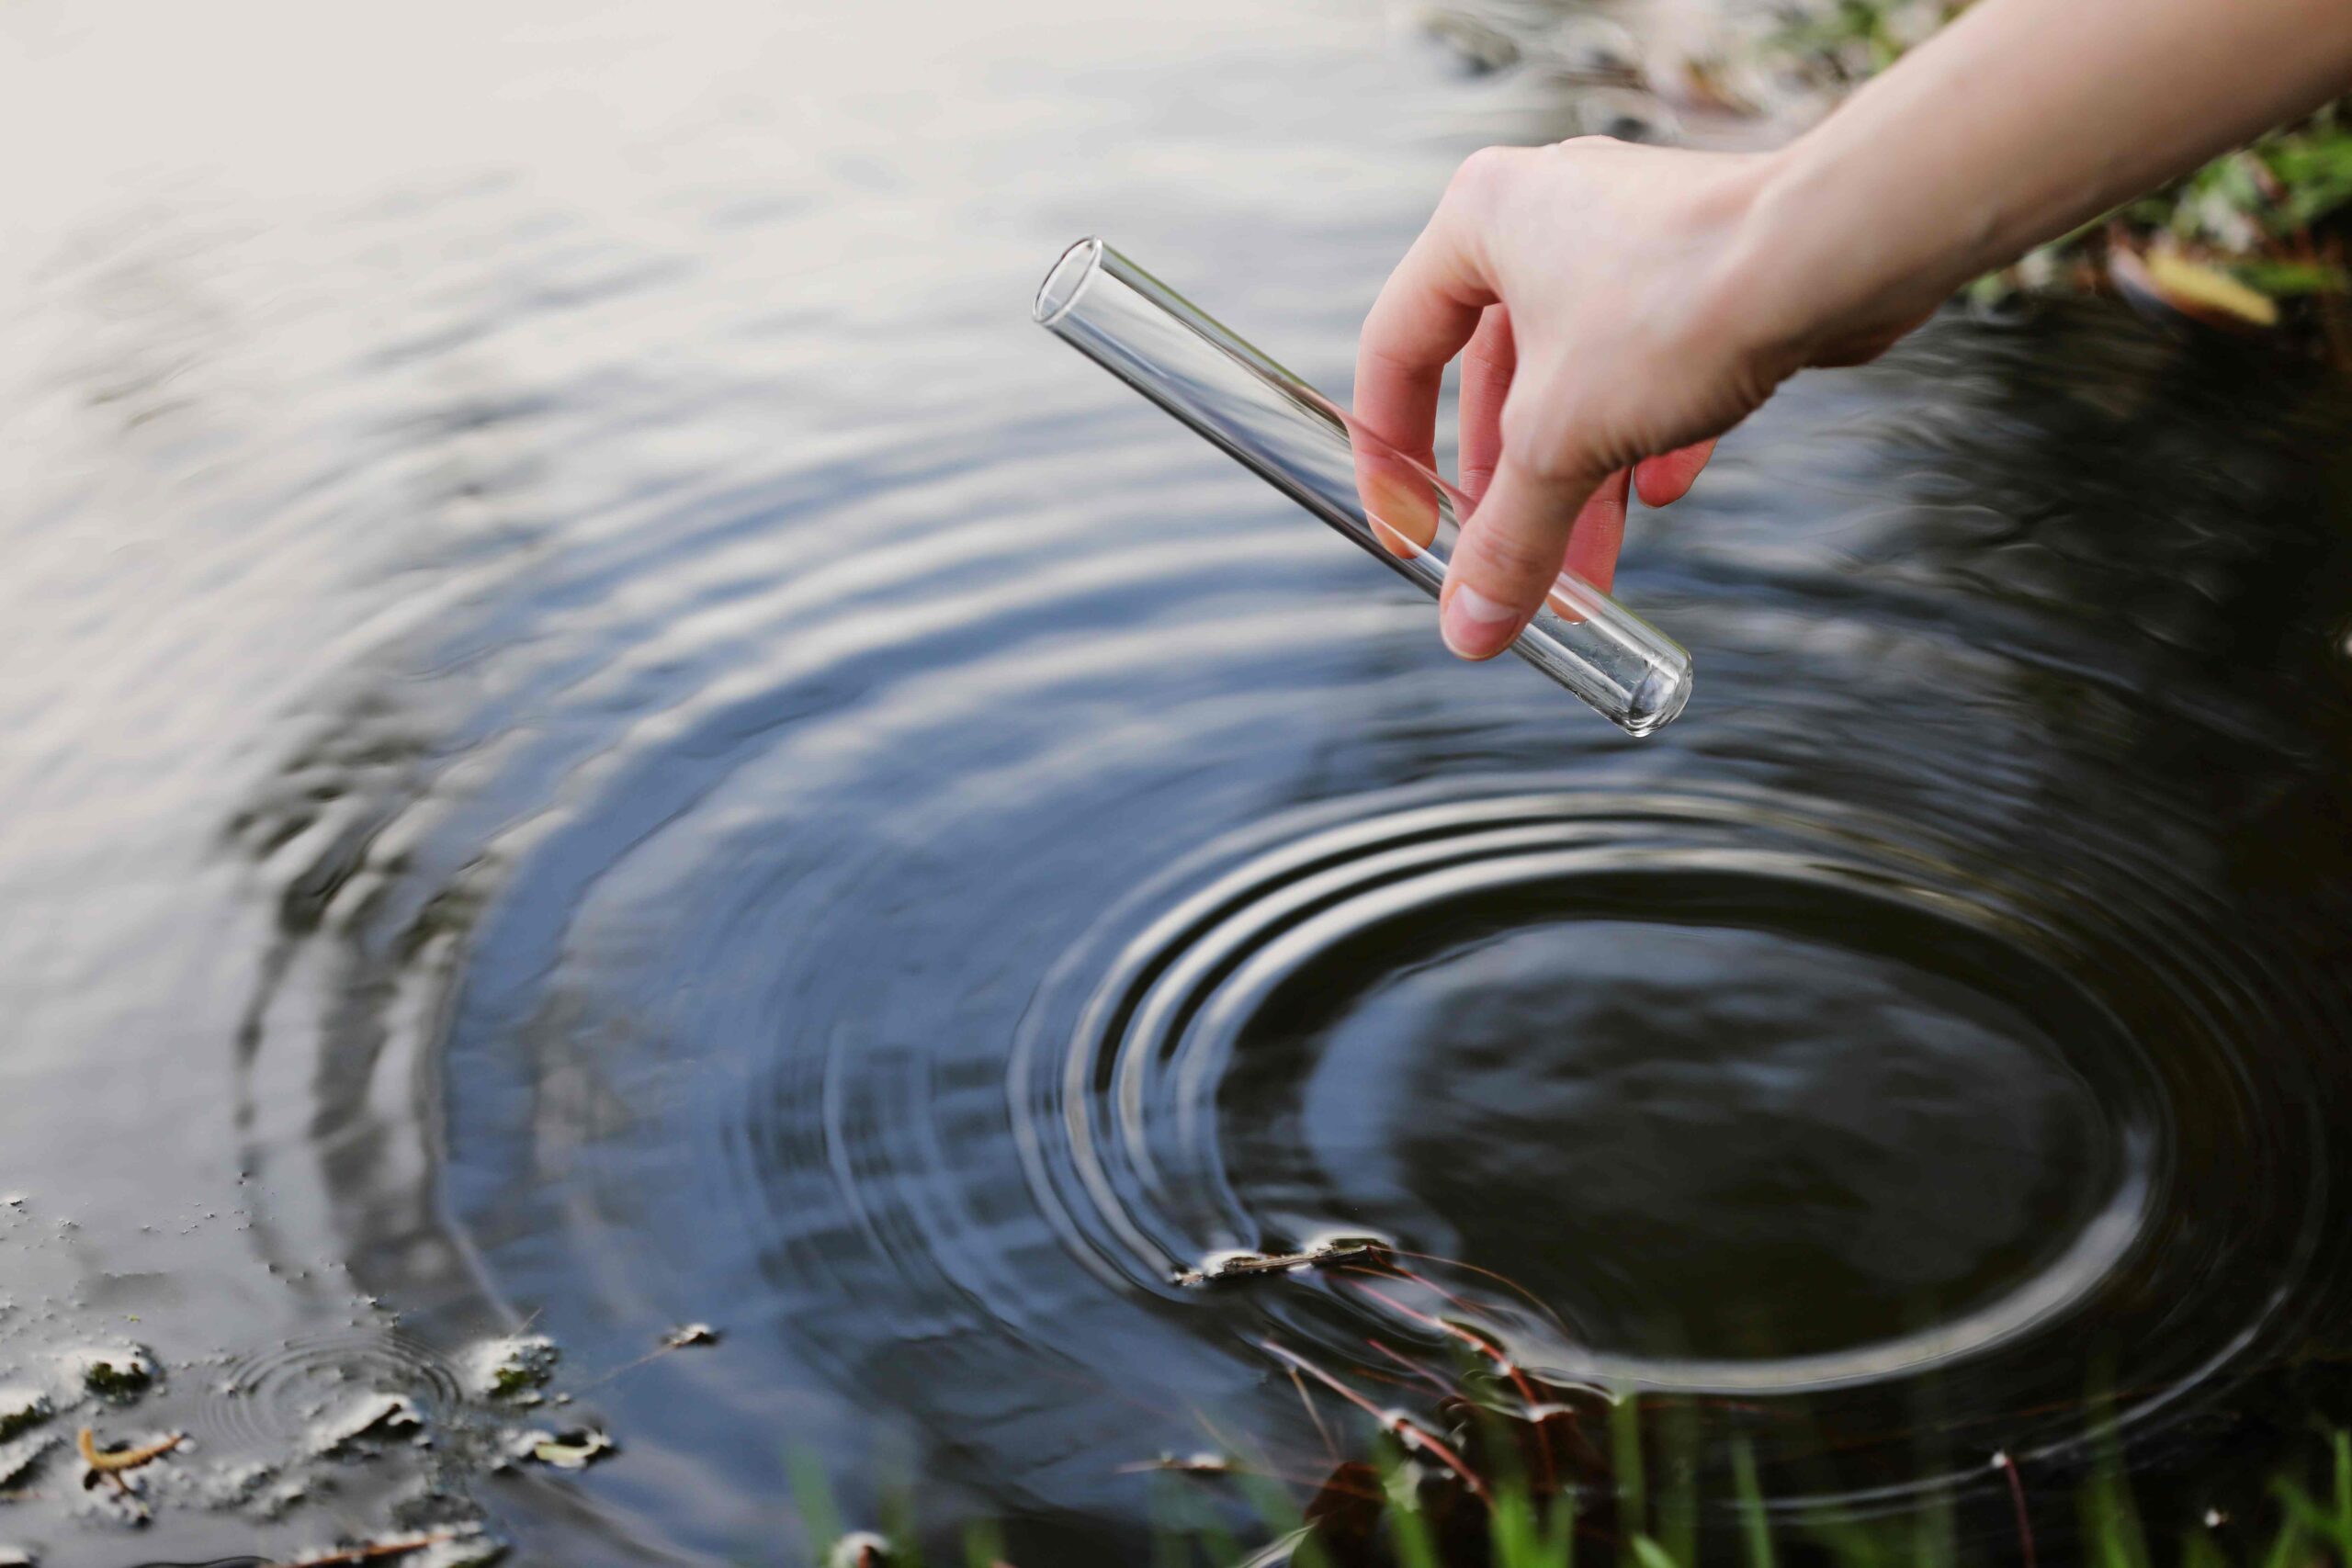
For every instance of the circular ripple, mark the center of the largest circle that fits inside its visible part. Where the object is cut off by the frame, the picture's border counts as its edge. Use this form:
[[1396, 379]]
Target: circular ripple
[[267, 1399], [1704, 1092]]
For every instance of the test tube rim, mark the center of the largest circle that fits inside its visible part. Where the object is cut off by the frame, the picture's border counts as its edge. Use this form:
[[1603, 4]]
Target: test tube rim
[[1088, 252]]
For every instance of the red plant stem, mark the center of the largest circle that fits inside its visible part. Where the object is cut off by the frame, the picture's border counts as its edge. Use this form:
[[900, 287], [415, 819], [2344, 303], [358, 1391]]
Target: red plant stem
[[1494, 1351], [2017, 1496], [1330, 1448], [1403, 1429]]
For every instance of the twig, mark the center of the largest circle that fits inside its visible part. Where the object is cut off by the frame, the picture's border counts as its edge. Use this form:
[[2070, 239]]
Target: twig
[[1415, 1368], [103, 1462], [1330, 1448], [376, 1552]]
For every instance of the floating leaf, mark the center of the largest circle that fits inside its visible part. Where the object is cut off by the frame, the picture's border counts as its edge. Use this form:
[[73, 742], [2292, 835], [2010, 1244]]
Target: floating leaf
[[117, 1461], [2169, 281], [575, 1450]]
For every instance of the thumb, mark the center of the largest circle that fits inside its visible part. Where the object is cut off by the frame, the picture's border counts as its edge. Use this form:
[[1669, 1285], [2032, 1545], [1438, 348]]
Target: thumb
[[1510, 549]]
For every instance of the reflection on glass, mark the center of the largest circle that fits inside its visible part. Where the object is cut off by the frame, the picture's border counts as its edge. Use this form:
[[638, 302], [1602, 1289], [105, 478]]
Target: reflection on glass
[[1305, 445]]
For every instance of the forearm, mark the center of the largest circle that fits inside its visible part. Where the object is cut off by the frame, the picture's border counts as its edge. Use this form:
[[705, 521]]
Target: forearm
[[2019, 121]]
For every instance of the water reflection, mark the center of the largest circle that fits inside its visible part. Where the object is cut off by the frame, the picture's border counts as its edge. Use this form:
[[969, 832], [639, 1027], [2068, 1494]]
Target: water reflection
[[613, 739]]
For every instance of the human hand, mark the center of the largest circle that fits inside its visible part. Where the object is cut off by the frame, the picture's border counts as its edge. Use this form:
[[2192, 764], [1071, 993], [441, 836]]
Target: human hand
[[1613, 323]]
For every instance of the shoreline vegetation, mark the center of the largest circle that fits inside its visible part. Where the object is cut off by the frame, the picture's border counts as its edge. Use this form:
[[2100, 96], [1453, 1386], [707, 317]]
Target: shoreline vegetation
[[2258, 242], [1412, 1501]]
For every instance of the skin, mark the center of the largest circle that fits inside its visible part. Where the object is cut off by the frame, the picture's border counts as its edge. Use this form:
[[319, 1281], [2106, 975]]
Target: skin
[[1617, 308]]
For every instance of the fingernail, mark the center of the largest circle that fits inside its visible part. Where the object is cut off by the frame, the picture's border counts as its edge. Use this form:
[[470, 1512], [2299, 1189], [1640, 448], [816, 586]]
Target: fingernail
[[1474, 626]]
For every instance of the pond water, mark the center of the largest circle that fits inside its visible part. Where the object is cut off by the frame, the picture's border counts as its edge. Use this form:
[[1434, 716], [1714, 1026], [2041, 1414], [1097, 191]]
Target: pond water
[[597, 733]]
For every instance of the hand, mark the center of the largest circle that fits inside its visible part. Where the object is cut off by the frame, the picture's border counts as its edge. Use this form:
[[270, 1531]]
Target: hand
[[1610, 328]]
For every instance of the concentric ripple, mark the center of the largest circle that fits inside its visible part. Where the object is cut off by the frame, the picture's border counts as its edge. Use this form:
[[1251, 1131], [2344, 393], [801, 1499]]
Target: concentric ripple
[[1745, 1095], [268, 1401]]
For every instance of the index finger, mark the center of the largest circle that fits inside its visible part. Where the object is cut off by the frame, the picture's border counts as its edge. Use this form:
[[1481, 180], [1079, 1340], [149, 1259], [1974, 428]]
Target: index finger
[[1426, 313]]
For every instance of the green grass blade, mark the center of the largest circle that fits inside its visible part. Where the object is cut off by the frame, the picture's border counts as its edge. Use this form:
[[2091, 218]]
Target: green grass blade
[[1626, 1455], [1414, 1547], [1755, 1525], [1648, 1553], [983, 1545], [812, 1494]]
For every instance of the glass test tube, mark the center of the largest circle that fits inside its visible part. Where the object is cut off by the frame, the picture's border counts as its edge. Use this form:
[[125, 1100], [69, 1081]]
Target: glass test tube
[[1301, 443]]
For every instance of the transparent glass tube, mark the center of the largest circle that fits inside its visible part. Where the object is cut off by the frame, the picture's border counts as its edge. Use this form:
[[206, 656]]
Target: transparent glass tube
[[1305, 445]]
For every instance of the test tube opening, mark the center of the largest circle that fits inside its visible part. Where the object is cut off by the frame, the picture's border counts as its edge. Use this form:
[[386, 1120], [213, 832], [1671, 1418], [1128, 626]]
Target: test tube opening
[[1068, 280]]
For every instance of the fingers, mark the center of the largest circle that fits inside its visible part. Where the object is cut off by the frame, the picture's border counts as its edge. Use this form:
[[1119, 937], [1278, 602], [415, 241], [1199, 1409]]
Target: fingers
[[1426, 312], [1487, 368], [1600, 533], [1666, 480], [1510, 549]]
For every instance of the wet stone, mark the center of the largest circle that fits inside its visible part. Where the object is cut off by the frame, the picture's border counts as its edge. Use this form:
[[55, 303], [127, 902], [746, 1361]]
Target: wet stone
[[380, 1417], [117, 1374], [21, 1409], [512, 1368]]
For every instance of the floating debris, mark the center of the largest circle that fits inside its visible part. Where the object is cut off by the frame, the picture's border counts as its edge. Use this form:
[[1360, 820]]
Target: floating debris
[[860, 1549], [22, 1409], [574, 1450], [442, 1548], [514, 1369], [116, 1462], [119, 1375], [17, 1557], [389, 1415], [687, 1335], [1220, 1267], [1202, 1463]]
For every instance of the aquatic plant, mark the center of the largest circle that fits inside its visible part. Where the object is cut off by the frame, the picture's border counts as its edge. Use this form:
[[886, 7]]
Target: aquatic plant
[[1511, 1471], [1395, 1511]]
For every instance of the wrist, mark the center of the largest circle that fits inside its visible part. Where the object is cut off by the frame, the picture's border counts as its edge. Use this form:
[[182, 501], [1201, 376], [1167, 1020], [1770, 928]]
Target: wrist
[[1821, 257]]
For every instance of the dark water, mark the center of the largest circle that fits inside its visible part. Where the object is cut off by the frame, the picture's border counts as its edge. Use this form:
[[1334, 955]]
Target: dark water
[[599, 734]]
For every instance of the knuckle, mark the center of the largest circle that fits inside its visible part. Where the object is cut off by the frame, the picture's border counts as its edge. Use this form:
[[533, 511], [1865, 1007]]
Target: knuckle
[[1523, 561], [1474, 183], [1532, 431]]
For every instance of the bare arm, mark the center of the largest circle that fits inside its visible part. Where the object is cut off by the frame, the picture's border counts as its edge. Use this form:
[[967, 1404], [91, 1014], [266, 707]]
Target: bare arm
[[1623, 306]]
